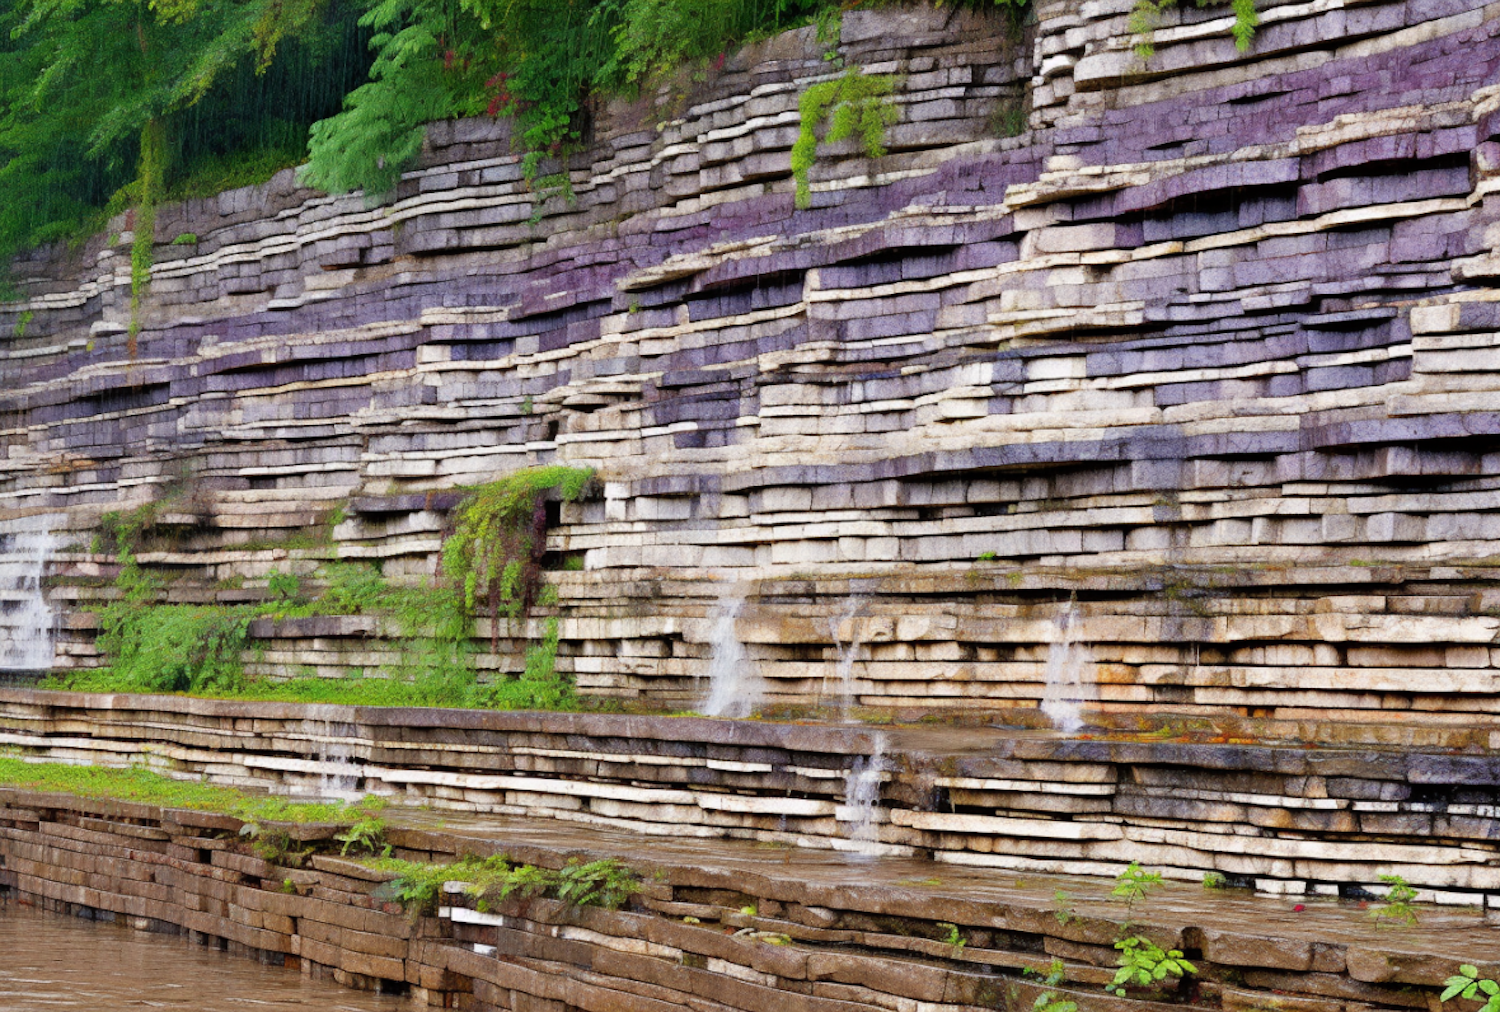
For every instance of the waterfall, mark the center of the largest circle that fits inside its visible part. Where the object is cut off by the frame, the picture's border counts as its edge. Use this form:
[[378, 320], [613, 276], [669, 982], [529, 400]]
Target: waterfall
[[734, 688], [848, 652], [1070, 674], [862, 798], [27, 622], [339, 775]]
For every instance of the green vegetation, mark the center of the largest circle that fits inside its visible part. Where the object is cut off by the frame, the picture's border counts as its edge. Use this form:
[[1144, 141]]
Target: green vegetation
[[1048, 1001], [419, 886], [1147, 13], [1133, 886], [367, 835], [499, 536], [1467, 984], [952, 936], [492, 557], [859, 105], [1143, 963], [108, 105], [105, 104], [150, 788], [1214, 880], [1397, 908], [1062, 908]]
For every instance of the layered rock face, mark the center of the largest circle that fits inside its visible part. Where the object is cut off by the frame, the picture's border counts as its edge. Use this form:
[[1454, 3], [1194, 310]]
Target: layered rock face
[[1207, 346]]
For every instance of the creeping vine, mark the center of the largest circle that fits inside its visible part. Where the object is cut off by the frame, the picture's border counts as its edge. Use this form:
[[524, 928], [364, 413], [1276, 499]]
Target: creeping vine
[[858, 103]]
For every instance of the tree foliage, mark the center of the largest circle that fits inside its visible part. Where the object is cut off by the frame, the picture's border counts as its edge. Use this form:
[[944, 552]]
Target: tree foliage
[[107, 105], [92, 91]]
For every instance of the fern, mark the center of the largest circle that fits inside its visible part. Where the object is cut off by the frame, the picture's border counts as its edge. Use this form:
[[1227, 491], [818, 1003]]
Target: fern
[[858, 103]]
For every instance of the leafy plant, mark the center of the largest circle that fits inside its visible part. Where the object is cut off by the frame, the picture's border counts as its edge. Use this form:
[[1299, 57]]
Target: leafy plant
[[952, 936], [275, 847], [858, 104], [418, 886], [1144, 963], [1214, 880], [1049, 1002], [283, 586], [499, 537], [22, 322], [1397, 907], [1147, 13], [1469, 985], [1062, 908], [606, 883], [186, 239], [1133, 885], [367, 836]]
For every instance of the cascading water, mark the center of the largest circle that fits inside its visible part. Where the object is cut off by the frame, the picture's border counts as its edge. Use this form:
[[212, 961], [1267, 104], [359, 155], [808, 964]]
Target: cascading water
[[862, 799], [734, 688], [848, 652], [338, 773], [27, 622], [1071, 678]]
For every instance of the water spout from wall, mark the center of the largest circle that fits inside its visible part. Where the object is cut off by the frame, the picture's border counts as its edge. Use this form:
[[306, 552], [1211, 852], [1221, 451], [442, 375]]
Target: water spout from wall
[[339, 774], [1071, 677], [862, 799], [848, 652], [27, 622], [734, 687]]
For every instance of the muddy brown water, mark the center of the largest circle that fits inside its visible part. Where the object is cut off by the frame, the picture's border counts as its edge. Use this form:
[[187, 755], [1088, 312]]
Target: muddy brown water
[[51, 962]]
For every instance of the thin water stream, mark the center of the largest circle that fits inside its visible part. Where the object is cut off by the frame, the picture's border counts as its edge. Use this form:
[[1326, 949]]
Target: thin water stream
[[51, 962]]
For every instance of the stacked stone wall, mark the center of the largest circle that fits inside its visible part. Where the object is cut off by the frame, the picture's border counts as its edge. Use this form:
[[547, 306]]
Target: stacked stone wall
[[1207, 347], [1279, 818], [721, 930]]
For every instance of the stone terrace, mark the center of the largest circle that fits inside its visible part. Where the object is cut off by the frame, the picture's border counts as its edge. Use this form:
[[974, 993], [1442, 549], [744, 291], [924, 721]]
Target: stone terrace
[[719, 927], [1279, 817]]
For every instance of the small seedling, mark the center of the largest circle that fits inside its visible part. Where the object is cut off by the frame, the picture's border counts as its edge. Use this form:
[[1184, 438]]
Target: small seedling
[[952, 935], [1062, 908], [1397, 907], [1143, 963], [749, 910], [988, 556], [1214, 880], [1134, 884]]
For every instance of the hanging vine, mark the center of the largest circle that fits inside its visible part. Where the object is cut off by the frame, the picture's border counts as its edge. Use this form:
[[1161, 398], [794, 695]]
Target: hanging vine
[[1147, 14], [859, 105], [152, 184], [499, 537]]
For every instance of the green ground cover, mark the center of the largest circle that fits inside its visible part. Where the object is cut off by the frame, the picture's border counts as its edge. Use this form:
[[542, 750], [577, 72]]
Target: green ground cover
[[491, 564], [150, 788]]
